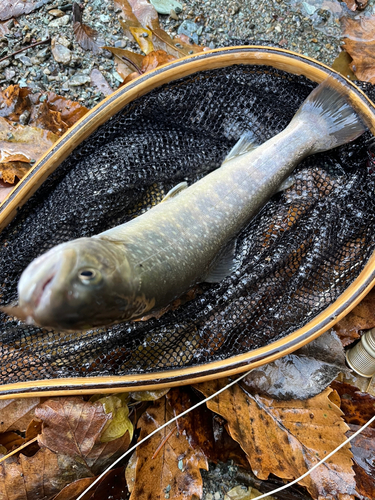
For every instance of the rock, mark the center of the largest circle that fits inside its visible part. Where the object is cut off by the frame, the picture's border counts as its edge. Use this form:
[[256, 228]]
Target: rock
[[189, 29], [4, 64], [64, 41], [26, 61], [104, 19], [56, 12], [43, 54], [165, 6], [120, 44], [173, 15], [60, 53], [79, 79], [60, 21], [9, 73], [118, 77]]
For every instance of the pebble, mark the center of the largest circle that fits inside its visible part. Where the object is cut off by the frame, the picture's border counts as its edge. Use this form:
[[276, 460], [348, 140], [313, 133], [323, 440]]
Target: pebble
[[120, 44], [4, 64], [60, 53], [9, 73], [59, 22], [174, 15], [56, 12], [26, 61], [79, 79], [190, 29], [165, 6]]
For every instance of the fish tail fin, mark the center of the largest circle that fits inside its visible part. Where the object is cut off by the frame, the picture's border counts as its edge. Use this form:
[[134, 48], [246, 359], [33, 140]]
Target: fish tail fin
[[328, 110]]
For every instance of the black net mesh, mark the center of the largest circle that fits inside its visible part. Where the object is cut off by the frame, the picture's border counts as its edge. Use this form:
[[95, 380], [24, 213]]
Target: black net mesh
[[296, 257]]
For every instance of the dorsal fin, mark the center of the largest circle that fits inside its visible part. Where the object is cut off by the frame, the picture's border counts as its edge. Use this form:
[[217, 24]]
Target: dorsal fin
[[175, 191], [246, 143]]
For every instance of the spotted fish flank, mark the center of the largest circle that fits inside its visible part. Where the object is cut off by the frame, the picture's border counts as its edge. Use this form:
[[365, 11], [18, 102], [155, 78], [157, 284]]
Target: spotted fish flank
[[142, 266]]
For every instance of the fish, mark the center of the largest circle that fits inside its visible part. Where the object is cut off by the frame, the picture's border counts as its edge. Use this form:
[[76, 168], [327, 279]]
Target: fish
[[137, 269]]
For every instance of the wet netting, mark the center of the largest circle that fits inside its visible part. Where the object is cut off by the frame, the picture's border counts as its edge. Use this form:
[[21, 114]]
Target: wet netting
[[295, 258]]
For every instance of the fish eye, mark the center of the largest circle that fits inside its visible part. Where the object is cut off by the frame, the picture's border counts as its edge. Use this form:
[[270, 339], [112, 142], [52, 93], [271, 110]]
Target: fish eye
[[89, 276]]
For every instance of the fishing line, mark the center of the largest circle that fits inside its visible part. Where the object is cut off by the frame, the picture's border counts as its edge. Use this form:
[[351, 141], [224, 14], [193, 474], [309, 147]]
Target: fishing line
[[174, 419], [159, 429]]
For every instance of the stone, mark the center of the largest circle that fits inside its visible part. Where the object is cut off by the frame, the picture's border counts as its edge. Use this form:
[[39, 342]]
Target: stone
[[79, 79], [43, 54], [26, 61], [165, 6], [120, 44], [60, 53], [56, 12], [60, 21], [9, 73], [189, 29], [4, 64]]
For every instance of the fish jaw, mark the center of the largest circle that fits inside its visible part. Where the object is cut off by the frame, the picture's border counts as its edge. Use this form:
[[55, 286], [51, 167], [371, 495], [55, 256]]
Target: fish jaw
[[39, 282]]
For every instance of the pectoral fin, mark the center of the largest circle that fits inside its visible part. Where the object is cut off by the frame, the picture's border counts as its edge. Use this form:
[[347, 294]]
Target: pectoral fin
[[175, 191], [246, 143], [224, 265]]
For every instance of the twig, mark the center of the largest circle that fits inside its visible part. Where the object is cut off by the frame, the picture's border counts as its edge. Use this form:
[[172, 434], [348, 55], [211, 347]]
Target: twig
[[18, 449], [25, 48], [129, 61], [163, 442]]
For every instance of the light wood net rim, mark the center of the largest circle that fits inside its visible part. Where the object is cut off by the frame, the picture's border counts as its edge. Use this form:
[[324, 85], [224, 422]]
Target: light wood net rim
[[218, 58]]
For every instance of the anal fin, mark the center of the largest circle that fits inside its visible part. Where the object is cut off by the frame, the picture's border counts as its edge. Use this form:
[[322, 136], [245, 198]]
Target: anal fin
[[224, 265], [175, 191], [245, 144]]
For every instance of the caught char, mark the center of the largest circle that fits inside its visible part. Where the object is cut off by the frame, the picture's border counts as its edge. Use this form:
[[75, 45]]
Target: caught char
[[140, 267]]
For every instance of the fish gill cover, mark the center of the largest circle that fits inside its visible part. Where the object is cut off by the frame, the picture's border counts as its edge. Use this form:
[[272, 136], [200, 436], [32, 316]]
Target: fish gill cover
[[295, 258]]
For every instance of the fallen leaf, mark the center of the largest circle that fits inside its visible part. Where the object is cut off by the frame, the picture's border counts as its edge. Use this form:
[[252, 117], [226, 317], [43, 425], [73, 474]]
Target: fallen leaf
[[358, 407], [362, 317], [204, 430], [4, 29], [115, 483], [73, 427], [98, 81], [176, 47], [13, 102], [364, 461], [85, 35], [70, 111], [148, 395], [40, 476], [342, 65], [119, 423], [5, 190], [154, 59], [11, 440], [359, 41], [286, 438], [126, 58], [16, 414], [143, 37], [16, 8], [140, 11], [74, 489], [166, 464], [243, 493], [303, 374], [354, 5]]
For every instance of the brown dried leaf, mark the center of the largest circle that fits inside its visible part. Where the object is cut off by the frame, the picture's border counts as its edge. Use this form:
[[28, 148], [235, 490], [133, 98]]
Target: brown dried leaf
[[15, 8], [166, 463], [362, 317], [98, 81], [360, 44], [354, 5], [86, 37], [126, 61], [364, 461], [114, 482], [70, 111], [204, 430], [4, 30], [5, 190], [40, 476], [11, 440], [73, 490], [154, 59], [342, 65], [358, 407], [16, 414], [286, 438], [139, 11], [73, 427], [13, 102], [176, 47]]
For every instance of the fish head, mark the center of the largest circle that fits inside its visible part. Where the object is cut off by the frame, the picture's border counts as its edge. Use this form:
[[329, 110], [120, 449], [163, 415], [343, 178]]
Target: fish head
[[77, 285]]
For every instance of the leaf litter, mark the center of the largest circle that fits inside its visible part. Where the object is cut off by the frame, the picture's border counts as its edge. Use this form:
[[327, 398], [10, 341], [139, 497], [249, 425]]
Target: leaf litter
[[77, 438]]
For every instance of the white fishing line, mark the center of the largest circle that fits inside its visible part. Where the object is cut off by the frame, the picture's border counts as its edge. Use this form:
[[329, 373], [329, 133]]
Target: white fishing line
[[199, 404], [159, 429], [319, 463]]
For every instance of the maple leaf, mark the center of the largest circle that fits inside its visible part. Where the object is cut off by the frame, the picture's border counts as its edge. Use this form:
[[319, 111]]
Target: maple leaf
[[358, 407], [286, 438], [360, 44], [166, 463]]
